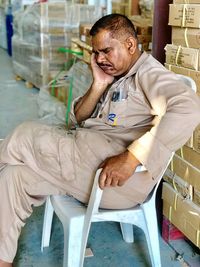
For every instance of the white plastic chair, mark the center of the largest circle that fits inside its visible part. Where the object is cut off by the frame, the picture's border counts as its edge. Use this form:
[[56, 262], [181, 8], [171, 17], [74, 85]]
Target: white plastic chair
[[76, 219]]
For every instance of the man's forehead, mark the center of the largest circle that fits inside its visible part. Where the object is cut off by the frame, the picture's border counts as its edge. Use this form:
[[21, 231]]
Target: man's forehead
[[109, 36], [102, 45], [102, 33]]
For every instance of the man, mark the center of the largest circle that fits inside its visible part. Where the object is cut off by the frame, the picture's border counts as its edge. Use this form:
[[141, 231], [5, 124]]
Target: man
[[135, 112]]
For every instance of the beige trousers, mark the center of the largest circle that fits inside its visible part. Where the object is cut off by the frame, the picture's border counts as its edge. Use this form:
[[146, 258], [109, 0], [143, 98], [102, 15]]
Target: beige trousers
[[33, 162]]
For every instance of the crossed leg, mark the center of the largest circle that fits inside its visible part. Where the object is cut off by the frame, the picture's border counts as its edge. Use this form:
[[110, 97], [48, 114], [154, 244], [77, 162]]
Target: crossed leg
[[20, 190]]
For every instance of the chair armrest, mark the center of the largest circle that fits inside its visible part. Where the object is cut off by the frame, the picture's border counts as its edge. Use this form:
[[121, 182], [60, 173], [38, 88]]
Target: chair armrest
[[96, 193], [140, 168]]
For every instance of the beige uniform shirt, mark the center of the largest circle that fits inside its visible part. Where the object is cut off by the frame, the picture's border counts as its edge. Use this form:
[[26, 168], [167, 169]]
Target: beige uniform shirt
[[154, 116]]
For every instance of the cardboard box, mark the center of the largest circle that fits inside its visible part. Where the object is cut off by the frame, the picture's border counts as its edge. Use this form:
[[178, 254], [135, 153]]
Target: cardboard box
[[87, 55], [183, 15], [121, 7], [183, 221], [169, 195], [196, 144], [187, 37], [186, 1], [84, 30], [195, 75], [189, 143], [182, 56], [196, 197], [186, 171], [142, 26], [184, 214], [190, 156], [178, 184]]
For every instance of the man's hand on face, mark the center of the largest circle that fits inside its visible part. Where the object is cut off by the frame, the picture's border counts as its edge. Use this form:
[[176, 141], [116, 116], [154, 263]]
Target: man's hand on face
[[100, 77], [117, 169]]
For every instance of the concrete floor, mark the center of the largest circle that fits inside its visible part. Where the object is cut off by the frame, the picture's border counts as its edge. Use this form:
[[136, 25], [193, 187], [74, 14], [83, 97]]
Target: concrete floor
[[17, 104]]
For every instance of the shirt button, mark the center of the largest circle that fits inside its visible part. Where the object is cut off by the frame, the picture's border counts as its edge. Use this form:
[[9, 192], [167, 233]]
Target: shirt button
[[100, 116]]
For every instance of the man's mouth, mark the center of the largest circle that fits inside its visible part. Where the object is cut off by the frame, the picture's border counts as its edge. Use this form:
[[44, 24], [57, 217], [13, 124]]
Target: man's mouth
[[105, 66]]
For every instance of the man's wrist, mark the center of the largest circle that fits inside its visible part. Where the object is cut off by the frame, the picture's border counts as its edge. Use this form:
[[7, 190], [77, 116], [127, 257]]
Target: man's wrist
[[97, 85], [131, 157]]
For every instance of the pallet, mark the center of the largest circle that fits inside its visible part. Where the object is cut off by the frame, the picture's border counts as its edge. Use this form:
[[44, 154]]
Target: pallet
[[28, 84]]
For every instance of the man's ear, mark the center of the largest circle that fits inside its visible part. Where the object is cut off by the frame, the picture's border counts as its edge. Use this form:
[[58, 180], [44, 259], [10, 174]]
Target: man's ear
[[131, 43]]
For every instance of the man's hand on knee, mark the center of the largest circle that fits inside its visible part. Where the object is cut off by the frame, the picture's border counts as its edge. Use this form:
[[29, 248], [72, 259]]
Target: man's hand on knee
[[117, 169]]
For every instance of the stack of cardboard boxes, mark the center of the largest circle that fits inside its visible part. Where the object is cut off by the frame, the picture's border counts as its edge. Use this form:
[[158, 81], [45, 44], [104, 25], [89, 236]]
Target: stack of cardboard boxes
[[40, 31], [182, 56], [143, 28], [79, 77], [83, 43], [181, 189], [122, 7]]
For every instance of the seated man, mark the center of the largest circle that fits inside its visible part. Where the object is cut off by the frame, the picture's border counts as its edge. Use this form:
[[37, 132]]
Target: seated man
[[135, 112]]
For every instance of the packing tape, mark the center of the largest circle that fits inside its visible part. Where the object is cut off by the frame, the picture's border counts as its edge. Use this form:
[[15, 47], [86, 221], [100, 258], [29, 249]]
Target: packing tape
[[184, 15], [173, 182], [175, 201], [170, 213], [177, 54], [182, 152], [185, 36]]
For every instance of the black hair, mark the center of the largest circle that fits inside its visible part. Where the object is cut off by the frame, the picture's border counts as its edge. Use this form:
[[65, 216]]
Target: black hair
[[116, 24]]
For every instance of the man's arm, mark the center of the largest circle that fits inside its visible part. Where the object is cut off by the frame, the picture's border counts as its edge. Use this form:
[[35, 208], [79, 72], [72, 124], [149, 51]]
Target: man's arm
[[87, 103], [117, 169], [177, 112]]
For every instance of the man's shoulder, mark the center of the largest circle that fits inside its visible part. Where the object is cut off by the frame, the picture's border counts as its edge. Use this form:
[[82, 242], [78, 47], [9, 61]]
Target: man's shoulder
[[150, 63]]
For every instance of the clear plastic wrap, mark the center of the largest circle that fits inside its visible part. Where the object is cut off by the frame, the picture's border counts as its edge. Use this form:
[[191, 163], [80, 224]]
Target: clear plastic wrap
[[82, 78], [38, 33], [50, 110], [3, 38], [79, 78]]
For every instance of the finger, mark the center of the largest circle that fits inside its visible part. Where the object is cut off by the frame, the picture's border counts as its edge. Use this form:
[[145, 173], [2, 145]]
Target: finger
[[102, 180], [114, 182], [108, 181], [120, 183]]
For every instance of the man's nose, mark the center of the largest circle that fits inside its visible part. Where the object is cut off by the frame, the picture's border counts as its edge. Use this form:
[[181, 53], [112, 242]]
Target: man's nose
[[100, 58]]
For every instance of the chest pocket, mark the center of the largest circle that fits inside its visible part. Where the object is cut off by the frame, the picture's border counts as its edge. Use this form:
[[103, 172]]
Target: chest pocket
[[128, 112], [117, 113]]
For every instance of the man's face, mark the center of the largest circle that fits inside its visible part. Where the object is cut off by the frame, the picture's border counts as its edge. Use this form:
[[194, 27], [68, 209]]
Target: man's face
[[112, 55]]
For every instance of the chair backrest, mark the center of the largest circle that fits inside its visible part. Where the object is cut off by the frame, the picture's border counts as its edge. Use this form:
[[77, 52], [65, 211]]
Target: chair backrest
[[188, 81]]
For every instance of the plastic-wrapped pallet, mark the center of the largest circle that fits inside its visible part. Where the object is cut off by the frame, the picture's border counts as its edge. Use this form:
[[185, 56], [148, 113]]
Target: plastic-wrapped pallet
[[53, 111], [82, 78], [3, 42], [39, 31]]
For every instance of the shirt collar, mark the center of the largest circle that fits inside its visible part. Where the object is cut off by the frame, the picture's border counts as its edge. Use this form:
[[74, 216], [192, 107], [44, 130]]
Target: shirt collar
[[137, 65]]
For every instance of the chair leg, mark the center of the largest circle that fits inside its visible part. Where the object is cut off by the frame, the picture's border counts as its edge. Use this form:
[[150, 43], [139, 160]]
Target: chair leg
[[127, 232], [72, 241], [47, 223], [152, 236]]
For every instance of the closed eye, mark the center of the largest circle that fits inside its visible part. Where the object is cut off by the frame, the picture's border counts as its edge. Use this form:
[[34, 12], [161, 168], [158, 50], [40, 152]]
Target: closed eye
[[105, 51]]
